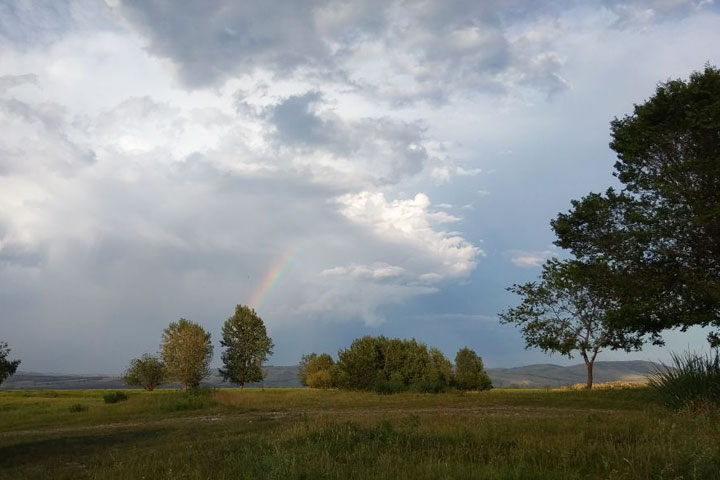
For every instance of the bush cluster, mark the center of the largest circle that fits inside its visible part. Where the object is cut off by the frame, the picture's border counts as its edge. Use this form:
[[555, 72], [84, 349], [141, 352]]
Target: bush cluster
[[393, 365]]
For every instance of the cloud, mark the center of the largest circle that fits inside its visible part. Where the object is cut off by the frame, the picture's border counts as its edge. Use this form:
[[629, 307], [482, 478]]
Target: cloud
[[375, 272], [410, 223], [10, 81], [361, 152], [180, 208], [526, 259], [426, 51], [37, 140]]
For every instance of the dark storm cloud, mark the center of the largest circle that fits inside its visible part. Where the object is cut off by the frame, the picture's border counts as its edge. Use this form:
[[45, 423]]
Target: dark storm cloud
[[459, 41], [389, 149], [433, 49], [211, 40]]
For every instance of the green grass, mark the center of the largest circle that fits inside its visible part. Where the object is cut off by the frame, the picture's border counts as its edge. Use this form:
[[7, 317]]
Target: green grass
[[294, 433]]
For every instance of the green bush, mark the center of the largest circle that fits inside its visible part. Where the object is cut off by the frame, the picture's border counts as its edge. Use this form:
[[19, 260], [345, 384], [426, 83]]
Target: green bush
[[114, 397], [77, 407], [314, 370], [691, 381], [387, 365]]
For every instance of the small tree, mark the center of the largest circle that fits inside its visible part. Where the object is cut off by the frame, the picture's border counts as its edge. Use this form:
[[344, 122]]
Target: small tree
[[568, 310], [315, 370], [147, 372], [7, 367], [247, 347], [186, 352], [470, 372]]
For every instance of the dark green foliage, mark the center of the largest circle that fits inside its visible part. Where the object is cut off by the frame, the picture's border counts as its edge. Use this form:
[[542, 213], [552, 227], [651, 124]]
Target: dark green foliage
[[660, 234], [147, 372], [568, 310], [691, 381], [7, 367], [247, 346], [115, 397], [186, 352], [391, 365], [470, 372], [315, 371], [77, 407], [360, 365]]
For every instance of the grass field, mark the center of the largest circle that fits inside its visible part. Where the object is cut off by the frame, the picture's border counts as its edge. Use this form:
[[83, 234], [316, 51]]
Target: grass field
[[295, 433]]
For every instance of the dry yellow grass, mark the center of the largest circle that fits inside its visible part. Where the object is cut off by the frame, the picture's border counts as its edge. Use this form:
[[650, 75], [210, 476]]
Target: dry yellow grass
[[618, 385]]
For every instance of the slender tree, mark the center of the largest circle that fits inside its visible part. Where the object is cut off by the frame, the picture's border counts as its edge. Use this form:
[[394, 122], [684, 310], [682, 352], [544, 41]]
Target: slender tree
[[247, 347], [7, 367], [147, 372], [567, 311], [186, 351]]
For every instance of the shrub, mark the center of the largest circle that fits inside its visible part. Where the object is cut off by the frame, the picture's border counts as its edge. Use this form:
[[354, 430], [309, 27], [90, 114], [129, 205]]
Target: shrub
[[77, 407], [314, 370], [470, 372], [114, 397], [147, 372], [692, 380], [320, 379]]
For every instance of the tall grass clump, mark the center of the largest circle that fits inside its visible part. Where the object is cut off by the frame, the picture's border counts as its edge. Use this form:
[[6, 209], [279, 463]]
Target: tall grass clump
[[114, 397], [78, 407], [193, 399], [691, 381]]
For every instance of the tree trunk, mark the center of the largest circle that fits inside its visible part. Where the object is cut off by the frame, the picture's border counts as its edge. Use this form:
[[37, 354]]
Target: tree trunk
[[589, 362]]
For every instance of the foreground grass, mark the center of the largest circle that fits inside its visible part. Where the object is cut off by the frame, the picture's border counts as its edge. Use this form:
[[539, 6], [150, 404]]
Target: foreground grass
[[316, 434]]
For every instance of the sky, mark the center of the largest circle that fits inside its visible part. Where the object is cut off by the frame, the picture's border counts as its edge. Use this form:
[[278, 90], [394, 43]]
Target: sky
[[347, 168]]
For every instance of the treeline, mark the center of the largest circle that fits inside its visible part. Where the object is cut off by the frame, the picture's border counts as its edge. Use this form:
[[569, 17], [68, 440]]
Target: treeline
[[392, 365]]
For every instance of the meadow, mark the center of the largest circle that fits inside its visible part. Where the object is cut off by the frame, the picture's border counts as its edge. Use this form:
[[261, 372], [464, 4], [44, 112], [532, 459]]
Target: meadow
[[308, 434]]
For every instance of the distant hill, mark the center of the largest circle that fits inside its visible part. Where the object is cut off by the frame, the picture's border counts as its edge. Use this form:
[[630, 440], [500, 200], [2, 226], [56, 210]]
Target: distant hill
[[549, 375], [276, 376], [529, 376]]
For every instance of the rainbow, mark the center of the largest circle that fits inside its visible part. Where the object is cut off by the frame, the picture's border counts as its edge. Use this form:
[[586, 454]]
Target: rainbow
[[272, 278]]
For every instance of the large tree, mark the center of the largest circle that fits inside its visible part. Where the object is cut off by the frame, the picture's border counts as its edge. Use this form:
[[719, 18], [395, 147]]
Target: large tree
[[247, 346], [147, 372], [567, 311], [186, 351], [659, 234], [7, 367]]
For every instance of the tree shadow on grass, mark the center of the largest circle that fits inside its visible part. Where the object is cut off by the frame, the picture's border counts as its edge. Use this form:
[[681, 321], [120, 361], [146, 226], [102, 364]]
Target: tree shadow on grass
[[75, 449]]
